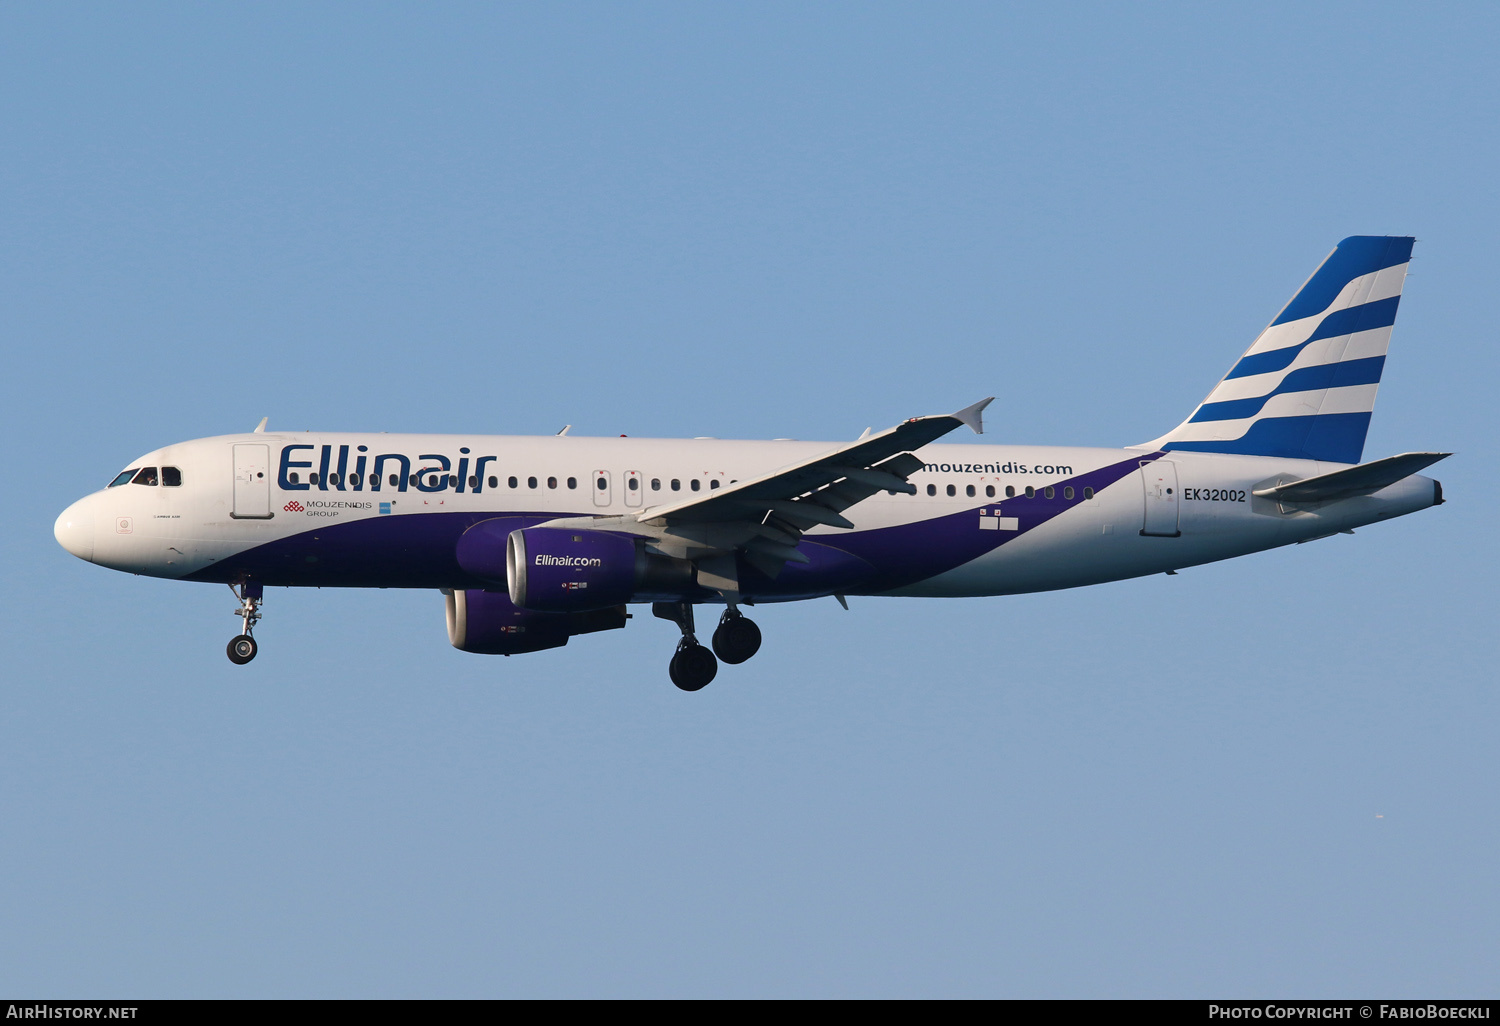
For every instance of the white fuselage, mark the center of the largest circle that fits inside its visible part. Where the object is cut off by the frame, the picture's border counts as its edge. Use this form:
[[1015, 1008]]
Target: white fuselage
[[382, 510]]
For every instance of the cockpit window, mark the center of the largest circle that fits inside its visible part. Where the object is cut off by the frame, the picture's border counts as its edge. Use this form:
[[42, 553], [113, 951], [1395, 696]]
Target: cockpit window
[[171, 477], [124, 478], [145, 476]]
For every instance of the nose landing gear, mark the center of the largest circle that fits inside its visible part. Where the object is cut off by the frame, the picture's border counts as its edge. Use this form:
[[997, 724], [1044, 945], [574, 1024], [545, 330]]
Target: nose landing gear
[[242, 649]]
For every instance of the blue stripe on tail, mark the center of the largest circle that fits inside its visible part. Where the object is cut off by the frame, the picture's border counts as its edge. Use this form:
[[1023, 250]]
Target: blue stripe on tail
[[1307, 379], [1356, 255], [1330, 437], [1380, 314]]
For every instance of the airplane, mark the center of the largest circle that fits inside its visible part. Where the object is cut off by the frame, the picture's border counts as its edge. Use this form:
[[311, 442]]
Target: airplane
[[534, 540]]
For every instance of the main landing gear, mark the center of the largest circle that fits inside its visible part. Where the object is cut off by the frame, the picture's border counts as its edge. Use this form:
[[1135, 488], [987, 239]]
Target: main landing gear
[[242, 648], [736, 638], [693, 666]]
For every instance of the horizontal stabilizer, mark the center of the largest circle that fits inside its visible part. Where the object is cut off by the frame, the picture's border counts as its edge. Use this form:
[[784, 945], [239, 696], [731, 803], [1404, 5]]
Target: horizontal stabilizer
[[1360, 480]]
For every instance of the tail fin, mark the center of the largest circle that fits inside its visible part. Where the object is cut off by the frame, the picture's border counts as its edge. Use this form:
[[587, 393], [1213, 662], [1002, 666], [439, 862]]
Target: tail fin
[[1306, 387]]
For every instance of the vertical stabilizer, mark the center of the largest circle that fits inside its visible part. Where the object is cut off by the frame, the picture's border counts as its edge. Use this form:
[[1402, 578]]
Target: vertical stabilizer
[[1306, 387]]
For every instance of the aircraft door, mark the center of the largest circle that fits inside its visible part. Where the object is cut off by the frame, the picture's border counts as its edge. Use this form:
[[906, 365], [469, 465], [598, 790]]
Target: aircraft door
[[252, 482], [635, 488], [1159, 479], [601, 488]]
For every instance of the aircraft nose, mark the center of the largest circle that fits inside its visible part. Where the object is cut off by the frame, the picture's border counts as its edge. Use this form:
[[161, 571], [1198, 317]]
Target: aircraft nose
[[74, 530]]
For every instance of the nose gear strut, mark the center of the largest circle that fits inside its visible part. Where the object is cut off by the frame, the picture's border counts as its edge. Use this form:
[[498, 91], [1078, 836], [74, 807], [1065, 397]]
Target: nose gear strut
[[242, 649]]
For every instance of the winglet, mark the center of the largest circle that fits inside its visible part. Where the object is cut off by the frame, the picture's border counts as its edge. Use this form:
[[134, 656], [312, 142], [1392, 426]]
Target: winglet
[[566, 429], [970, 415], [260, 428]]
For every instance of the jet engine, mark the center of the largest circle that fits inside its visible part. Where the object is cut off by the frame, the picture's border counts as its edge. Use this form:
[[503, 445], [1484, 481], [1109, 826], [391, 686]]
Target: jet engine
[[568, 570], [552, 570], [488, 623]]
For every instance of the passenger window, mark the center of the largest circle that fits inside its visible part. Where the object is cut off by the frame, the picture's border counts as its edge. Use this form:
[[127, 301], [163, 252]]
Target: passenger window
[[452, 481], [1010, 491], [634, 484], [695, 484], [312, 478], [601, 483], [1030, 492], [123, 477], [333, 479], [969, 491], [712, 485], [676, 485], [473, 483], [375, 480], [952, 490], [145, 476], [531, 482], [1051, 492], [1088, 493], [551, 482], [494, 481], [1068, 492], [395, 480], [989, 491], [932, 489], [172, 477], [572, 482], [656, 484], [513, 483]]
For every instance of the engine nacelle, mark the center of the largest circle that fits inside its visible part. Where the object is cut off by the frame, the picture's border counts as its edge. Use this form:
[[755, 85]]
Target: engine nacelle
[[556, 570], [488, 622], [563, 570]]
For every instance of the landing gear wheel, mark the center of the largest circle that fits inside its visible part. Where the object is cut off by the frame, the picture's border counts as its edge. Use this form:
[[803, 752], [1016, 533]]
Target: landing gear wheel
[[736, 638], [692, 667], [242, 649]]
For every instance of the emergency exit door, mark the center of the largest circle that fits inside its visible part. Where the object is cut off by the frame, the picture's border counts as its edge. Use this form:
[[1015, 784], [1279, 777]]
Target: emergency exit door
[[252, 482], [1159, 480], [635, 488]]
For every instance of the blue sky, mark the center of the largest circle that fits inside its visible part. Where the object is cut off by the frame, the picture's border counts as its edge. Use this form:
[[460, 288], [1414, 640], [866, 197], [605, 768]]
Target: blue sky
[[1272, 776]]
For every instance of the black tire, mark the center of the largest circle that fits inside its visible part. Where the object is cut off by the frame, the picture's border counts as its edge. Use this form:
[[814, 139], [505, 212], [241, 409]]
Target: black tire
[[242, 649], [693, 667], [736, 639]]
